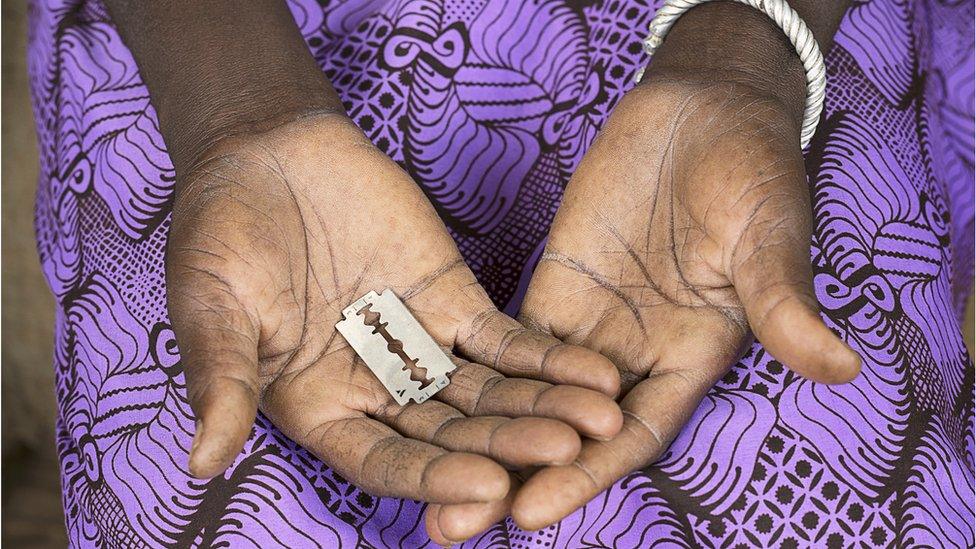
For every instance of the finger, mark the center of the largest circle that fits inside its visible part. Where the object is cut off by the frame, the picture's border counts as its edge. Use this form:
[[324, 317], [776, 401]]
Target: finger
[[692, 359], [381, 461], [654, 412], [218, 346], [519, 442], [478, 390], [773, 277], [498, 341], [453, 524], [325, 413]]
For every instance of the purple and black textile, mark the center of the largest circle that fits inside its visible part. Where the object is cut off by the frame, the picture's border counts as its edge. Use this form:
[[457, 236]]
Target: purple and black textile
[[490, 105]]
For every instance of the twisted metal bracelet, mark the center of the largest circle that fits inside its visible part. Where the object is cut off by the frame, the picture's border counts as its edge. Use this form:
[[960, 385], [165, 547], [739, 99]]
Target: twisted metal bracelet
[[786, 19]]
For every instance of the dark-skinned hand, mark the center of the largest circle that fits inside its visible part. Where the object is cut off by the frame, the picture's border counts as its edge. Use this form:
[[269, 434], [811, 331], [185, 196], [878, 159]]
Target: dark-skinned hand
[[684, 232], [273, 234]]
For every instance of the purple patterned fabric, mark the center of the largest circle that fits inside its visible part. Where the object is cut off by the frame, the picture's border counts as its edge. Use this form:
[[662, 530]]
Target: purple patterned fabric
[[490, 105]]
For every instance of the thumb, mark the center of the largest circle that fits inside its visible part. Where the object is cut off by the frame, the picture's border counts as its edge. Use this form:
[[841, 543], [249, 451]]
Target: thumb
[[219, 348], [773, 278]]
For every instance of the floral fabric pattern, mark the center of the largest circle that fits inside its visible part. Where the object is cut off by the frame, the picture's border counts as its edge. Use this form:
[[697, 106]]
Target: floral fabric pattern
[[490, 106]]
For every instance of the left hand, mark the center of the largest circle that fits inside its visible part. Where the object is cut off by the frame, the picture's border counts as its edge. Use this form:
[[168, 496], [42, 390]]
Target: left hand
[[685, 230], [686, 227]]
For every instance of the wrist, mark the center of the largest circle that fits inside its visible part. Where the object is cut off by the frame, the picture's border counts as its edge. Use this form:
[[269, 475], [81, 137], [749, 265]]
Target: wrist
[[220, 68], [276, 149], [192, 129], [732, 42]]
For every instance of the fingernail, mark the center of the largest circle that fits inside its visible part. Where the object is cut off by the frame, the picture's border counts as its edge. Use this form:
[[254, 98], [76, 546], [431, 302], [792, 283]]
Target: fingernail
[[193, 458], [197, 435]]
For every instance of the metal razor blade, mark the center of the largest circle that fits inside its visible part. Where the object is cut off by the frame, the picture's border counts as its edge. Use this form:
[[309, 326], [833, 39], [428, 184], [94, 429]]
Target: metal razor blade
[[395, 347]]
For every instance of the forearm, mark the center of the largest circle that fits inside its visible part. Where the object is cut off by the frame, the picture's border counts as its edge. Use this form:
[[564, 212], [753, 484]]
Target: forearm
[[738, 43], [219, 68]]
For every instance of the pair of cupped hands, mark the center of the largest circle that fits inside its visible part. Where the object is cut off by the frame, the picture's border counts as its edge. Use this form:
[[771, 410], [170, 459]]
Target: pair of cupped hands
[[684, 231]]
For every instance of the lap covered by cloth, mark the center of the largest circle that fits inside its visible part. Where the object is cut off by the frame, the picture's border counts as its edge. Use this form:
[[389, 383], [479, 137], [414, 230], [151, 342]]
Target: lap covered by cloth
[[768, 459]]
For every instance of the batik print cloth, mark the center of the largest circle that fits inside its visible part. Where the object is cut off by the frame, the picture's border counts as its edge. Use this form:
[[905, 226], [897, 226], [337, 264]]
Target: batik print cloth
[[490, 106]]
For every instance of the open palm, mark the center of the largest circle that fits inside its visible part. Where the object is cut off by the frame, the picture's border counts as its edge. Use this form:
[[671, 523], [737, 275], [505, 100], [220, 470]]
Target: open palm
[[685, 229], [272, 236]]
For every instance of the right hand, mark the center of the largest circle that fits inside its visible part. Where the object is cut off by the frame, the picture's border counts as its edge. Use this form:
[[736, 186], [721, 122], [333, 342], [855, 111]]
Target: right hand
[[272, 236]]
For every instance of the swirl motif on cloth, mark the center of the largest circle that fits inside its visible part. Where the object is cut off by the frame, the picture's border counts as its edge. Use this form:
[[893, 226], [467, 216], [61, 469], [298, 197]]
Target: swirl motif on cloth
[[490, 106]]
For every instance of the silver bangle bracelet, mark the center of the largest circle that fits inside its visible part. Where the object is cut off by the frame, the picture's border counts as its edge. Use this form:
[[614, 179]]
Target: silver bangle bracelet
[[790, 22]]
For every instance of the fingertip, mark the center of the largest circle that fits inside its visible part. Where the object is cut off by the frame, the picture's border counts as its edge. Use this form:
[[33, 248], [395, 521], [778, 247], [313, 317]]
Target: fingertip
[[608, 373], [197, 463], [593, 414], [591, 369], [461, 477], [799, 338], [561, 445], [527, 441], [826, 359], [550, 495], [613, 422], [458, 523], [211, 454], [453, 524], [205, 467], [527, 516], [431, 521], [845, 365], [225, 416]]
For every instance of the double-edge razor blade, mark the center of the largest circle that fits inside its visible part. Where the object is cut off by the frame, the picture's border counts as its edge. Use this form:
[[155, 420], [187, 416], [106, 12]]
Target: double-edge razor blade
[[397, 349]]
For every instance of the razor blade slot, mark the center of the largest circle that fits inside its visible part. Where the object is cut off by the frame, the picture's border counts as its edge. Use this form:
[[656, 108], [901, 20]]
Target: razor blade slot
[[373, 319]]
